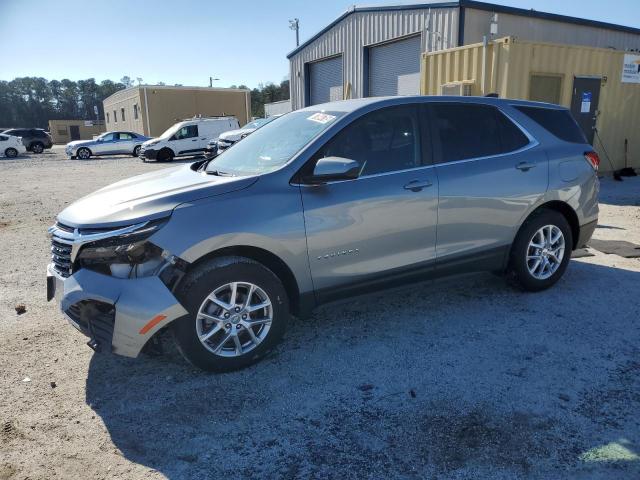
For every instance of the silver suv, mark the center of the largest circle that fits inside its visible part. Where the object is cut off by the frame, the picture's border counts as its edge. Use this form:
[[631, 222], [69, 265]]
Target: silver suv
[[323, 203]]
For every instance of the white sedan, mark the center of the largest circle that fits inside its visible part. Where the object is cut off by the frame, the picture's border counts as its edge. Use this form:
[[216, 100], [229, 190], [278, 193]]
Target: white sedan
[[11, 146]]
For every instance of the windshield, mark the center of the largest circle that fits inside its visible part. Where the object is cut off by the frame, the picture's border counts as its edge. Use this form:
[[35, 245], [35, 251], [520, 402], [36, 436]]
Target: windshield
[[171, 130], [273, 145]]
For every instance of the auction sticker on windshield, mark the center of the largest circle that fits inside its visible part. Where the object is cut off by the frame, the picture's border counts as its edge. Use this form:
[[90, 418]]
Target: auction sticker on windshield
[[321, 118]]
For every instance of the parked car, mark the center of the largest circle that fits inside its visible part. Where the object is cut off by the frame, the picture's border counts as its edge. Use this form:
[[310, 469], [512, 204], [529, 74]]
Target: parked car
[[35, 140], [322, 203], [109, 143], [186, 138], [11, 146], [226, 139]]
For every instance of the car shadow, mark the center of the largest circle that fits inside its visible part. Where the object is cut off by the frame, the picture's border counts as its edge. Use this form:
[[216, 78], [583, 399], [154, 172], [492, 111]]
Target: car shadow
[[464, 376]]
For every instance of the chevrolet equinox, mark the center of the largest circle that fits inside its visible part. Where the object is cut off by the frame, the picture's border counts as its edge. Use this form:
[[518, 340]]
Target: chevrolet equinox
[[324, 202]]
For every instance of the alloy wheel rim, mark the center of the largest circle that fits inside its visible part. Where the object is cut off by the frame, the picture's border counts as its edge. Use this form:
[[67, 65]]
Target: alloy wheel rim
[[83, 154], [545, 252], [234, 319]]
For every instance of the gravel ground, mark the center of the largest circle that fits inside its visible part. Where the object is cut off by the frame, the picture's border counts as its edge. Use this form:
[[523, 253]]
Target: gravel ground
[[461, 378]]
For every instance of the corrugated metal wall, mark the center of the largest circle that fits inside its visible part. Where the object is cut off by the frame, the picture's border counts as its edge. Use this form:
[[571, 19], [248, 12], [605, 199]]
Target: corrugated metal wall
[[438, 26], [510, 64], [277, 108], [477, 22], [394, 68]]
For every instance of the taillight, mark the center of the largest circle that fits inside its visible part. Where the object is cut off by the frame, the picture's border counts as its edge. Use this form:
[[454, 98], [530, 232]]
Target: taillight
[[593, 158]]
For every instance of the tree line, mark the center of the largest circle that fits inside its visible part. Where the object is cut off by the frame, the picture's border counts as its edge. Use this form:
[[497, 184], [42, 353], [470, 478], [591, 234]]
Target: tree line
[[266, 93], [33, 101]]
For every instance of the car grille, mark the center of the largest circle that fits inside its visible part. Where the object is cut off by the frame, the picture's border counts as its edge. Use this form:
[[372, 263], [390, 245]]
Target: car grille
[[61, 252]]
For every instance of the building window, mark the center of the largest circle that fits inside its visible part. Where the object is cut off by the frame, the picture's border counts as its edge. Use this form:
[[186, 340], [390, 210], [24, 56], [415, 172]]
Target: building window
[[122, 114], [108, 121], [545, 88], [62, 131], [115, 116], [135, 111]]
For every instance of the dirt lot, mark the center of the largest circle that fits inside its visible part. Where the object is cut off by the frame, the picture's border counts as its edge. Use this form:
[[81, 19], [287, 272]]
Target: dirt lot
[[463, 378]]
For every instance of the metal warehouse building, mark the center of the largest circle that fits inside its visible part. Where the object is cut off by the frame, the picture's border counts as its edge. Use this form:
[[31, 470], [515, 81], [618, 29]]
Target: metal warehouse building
[[375, 51], [151, 109]]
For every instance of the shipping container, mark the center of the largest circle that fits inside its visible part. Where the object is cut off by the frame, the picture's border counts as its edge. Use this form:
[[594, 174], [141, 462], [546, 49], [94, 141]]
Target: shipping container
[[587, 80]]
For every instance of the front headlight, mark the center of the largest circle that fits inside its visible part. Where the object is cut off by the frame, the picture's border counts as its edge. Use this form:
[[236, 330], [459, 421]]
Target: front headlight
[[125, 255]]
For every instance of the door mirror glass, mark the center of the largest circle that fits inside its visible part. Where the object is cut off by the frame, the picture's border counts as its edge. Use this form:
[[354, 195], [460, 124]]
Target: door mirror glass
[[335, 168]]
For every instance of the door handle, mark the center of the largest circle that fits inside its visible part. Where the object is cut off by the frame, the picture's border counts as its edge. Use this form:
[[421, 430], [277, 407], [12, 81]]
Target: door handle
[[525, 166], [417, 185], [194, 140]]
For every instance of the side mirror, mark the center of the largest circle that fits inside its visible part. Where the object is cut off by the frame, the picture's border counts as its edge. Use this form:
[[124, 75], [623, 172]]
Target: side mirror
[[334, 168]]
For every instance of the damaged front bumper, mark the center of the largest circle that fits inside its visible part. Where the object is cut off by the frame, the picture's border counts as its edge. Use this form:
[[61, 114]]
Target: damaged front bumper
[[118, 315]]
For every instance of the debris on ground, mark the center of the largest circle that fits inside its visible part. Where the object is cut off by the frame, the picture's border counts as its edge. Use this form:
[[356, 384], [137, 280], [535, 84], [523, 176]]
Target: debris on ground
[[20, 309]]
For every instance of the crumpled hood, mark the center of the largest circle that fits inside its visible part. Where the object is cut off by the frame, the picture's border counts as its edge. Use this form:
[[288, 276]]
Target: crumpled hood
[[148, 196], [235, 135]]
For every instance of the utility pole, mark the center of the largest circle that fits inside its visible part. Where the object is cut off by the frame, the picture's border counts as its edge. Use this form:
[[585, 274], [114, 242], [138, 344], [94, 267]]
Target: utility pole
[[211, 80], [295, 25]]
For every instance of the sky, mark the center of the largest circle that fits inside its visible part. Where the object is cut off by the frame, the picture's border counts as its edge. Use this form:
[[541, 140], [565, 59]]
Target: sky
[[187, 41]]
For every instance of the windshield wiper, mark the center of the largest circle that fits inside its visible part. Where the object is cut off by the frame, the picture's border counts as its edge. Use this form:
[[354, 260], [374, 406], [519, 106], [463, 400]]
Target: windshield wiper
[[219, 173]]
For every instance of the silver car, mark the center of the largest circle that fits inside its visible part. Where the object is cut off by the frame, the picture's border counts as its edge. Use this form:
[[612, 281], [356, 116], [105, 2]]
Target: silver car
[[323, 203], [109, 143]]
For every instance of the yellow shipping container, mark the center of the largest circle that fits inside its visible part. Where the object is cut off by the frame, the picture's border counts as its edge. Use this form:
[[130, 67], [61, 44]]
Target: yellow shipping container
[[548, 72]]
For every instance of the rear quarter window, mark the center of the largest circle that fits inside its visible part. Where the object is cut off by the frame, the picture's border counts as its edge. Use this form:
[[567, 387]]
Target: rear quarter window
[[559, 123]]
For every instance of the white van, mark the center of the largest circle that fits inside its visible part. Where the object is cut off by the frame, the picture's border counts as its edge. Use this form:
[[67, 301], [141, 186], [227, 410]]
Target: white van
[[186, 138]]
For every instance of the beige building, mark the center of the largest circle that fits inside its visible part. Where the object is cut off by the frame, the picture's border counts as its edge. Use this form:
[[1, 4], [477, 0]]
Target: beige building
[[151, 109], [64, 131], [601, 86]]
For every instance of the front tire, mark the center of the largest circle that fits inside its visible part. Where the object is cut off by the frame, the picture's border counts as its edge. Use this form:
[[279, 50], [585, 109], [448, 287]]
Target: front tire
[[165, 155], [83, 153], [238, 311], [11, 153], [541, 251]]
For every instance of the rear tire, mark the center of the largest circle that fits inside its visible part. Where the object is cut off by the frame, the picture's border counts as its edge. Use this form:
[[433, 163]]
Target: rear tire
[[11, 153], [83, 153], [165, 155], [37, 147], [228, 315], [541, 251], [136, 151]]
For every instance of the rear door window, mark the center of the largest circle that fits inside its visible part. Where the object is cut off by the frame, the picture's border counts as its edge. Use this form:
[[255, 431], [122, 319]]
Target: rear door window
[[468, 131], [125, 136], [511, 137], [558, 122]]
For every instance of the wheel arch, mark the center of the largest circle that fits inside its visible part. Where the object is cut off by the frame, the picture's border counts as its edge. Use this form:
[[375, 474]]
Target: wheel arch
[[167, 149], [270, 260], [87, 148], [566, 211]]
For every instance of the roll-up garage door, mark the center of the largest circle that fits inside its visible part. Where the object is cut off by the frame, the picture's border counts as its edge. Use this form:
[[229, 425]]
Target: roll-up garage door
[[394, 68], [325, 80]]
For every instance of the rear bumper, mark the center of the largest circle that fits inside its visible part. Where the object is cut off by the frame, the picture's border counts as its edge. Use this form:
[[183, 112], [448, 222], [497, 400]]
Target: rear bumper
[[118, 315], [586, 232]]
